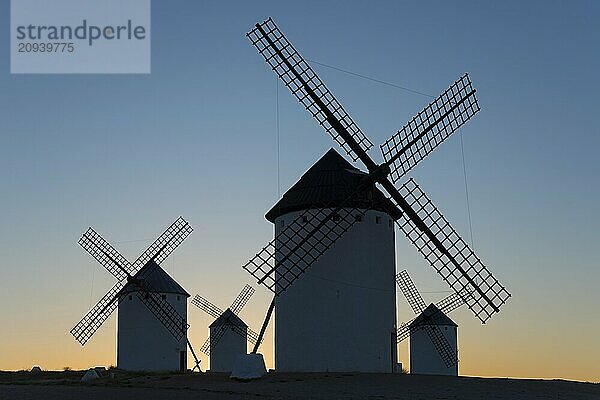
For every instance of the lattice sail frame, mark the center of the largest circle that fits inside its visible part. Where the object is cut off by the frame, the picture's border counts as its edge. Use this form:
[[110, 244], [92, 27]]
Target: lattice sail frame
[[430, 127], [212, 341], [441, 344], [410, 291], [448, 112], [214, 311], [162, 247], [207, 306], [487, 285], [446, 305], [294, 72], [285, 258], [416, 302], [241, 300], [119, 267]]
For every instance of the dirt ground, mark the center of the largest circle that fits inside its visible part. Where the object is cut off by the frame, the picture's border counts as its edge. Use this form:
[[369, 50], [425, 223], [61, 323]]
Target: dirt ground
[[66, 386]]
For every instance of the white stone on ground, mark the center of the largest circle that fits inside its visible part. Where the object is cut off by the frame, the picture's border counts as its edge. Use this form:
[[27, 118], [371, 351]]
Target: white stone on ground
[[90, 375], [249, 366]]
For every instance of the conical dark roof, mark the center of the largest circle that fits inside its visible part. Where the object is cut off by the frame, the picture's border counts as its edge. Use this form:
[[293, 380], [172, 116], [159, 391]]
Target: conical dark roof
[[228, 318], [328, 183], [432, 316], [158, 279]]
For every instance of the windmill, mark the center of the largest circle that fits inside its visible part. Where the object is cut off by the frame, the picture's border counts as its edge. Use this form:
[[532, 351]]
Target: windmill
[[149, 283], [429, 318], [223, 357], [313, 232]]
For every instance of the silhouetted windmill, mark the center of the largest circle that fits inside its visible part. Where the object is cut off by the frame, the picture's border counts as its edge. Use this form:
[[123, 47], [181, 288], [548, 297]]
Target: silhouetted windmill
[[143, 278], [313, 232], [225, 322], [416, 302]]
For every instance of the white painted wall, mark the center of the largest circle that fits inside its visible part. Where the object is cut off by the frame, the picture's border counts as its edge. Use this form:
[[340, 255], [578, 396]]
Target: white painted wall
[[227, 349], [143, 343], [330, 319], [425, 359]]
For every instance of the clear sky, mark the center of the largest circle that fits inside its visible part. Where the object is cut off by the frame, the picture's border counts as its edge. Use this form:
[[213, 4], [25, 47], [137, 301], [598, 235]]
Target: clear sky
[[127, 154]]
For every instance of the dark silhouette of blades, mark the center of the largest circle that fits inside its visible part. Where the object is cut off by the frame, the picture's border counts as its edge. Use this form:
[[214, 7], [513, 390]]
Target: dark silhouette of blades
[[452, 302], [252, 336], [212, 341], [441, 344], [133, 274], [242, 298], [306, 86], [90, 323], [165, 244], [403, 330], [237, 305], [446, 305], [207, 306], [105, 254], [286, 258], [457, 264], [163, 311], [297, 247], [430, 127], [410, 291], [206, 347]]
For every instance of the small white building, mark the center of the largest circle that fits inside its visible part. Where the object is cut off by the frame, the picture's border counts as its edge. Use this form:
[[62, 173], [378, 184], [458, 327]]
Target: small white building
[[340, 315], [424, 357], [228, 335], [143, 343]]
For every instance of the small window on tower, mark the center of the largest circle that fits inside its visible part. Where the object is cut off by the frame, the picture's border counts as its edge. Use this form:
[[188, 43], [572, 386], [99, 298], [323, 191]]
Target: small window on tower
[[282, 223], [377, 219], [358, 218], [130, 297], [178, 298]]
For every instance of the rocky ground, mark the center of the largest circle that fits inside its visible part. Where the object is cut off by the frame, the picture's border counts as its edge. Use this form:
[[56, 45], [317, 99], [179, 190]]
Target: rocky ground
[[121, 385]]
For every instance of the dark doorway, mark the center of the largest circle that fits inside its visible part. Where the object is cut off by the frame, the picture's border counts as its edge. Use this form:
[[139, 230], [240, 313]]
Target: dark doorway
[[182, 361]]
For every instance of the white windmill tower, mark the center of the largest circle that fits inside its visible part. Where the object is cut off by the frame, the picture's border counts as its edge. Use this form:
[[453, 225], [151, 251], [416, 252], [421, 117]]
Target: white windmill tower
[[152, 317], [138, 329], [316, 320], [433, 335], [309, 235], [228, 334], [424, 355]]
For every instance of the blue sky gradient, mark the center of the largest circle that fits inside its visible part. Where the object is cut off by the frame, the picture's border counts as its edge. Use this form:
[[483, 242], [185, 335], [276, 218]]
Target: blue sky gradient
[[127, 154]]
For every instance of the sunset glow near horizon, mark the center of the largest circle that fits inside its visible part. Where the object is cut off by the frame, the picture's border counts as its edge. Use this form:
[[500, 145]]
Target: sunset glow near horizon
[[128, 154]]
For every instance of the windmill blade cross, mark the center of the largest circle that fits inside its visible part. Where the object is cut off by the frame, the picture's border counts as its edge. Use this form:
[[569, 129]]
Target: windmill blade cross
[[118, 265], [162, 247], [404, 150], [446, 305], [212, 341]]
